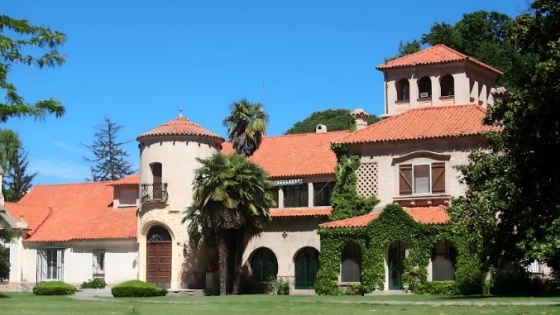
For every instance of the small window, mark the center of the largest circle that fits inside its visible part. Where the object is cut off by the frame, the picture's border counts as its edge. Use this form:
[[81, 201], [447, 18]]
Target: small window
[[351, 262], [157, 182], [444, 257], [421, 178], [322, 193], [127, 197], [295, 196], [99, 263], [447, 85], [425, 87], [403, 90]]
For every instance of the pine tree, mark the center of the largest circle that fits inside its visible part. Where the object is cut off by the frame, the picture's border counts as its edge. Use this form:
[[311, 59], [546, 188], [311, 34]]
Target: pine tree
[[110, 163], [18, 182]]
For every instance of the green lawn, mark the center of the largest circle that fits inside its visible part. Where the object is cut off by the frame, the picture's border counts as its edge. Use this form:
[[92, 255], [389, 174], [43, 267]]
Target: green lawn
[[26, 303]]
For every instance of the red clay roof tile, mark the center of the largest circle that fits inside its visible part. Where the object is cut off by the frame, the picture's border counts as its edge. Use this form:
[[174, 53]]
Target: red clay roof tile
[[424, 123], [179, 126], [77, 211], [300, 212], [433, 55], [426, 215], [133, 179], [295, 155]]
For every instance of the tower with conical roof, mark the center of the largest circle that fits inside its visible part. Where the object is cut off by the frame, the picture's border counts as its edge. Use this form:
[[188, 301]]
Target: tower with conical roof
[[167, 162]]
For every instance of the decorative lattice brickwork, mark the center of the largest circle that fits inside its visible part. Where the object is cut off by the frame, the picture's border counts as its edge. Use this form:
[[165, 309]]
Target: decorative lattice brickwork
[[367, 179]]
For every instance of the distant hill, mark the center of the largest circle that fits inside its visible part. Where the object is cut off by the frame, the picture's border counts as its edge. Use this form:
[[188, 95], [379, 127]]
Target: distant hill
[[334, 119]]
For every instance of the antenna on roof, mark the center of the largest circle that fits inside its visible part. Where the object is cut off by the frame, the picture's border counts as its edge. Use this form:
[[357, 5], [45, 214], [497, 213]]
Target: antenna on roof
[[181, 111]]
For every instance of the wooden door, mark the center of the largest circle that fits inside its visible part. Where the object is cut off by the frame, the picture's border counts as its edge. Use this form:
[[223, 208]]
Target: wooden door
[[159, 263]]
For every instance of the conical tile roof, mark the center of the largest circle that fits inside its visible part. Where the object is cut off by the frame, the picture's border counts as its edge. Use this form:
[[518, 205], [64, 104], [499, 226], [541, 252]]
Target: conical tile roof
[[179, 126]]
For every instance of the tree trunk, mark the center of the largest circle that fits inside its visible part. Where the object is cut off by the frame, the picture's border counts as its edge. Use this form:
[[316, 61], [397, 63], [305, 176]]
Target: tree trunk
[[222, 261], [238, 261]]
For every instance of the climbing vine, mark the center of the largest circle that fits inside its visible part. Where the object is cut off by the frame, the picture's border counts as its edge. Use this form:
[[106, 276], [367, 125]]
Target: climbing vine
[[345, 200], [394, 224]]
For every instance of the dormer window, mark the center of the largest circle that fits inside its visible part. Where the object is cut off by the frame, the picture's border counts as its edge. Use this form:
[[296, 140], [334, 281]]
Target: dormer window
[[447, 85], [425, 87], [127, 197], [403, 90]]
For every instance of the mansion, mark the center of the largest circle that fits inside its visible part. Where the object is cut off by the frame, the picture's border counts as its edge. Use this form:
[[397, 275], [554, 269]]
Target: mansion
[[434, 103]]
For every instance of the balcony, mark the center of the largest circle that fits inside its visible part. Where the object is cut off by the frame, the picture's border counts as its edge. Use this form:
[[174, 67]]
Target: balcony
[[421, 200], [155, 192]]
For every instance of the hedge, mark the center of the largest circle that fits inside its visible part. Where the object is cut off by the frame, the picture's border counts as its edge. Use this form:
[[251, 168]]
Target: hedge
[[54, 288], [137, 288], [97, 283]]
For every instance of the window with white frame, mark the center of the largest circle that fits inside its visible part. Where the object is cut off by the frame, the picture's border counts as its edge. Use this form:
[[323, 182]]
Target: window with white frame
[[127, 197], [418, 179], [99, 263], [50, 264]]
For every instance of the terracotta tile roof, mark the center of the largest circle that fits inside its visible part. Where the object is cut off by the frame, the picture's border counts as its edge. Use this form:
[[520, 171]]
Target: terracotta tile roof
[[359, 221], [424, 123], [295, 155], [300, 212], [433, 55], [77, 211], [426, 215], [133, 179], [179, 126], [34, 215]]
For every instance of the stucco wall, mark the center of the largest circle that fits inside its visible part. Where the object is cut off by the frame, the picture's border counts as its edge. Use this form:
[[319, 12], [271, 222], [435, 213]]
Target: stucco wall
[[299, 233], [388, 173]]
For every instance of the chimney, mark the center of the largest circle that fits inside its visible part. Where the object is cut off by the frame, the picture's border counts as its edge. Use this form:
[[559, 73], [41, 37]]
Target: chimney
[[1, 183], [320, 129], [360, 117]]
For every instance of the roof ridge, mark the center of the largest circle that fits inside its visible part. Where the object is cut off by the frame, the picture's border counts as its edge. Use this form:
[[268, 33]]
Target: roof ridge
[[307, 133], [107, 182]]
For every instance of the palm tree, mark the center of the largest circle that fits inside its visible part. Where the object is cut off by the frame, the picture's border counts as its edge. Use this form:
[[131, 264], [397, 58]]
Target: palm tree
[[246, 126], [231, 196]]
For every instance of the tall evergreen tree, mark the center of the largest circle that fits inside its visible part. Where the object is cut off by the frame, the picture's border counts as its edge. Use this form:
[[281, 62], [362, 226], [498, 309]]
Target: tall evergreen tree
[[110, 162], [18, 182]]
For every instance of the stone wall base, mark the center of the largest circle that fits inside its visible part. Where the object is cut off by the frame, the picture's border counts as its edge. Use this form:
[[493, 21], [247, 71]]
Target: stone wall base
[[16, 286]]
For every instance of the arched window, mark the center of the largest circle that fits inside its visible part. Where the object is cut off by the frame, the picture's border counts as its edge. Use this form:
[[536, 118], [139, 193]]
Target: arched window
[[158, 234], [444, 257], [263, 265], [425, 87], [403, 90], [351, 259], [157, 183], [306, 266], [447, 85]]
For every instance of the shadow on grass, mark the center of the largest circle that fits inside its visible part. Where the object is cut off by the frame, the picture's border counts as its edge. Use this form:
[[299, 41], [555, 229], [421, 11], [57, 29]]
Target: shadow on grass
[[2, 296]]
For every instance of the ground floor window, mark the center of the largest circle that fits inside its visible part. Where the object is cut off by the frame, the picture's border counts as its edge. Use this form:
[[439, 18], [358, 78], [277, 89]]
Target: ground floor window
[[306, 266], [50, 264], [263, 265], [4, 263], [444, 256], [99, 263], [351, 262]]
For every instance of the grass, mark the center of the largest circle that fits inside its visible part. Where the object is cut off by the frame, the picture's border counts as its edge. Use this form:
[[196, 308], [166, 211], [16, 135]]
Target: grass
[[26, 303]]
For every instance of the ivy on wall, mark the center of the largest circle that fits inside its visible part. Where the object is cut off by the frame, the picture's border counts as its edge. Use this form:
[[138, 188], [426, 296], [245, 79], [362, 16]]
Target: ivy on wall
[[345, 200], [394, 224]]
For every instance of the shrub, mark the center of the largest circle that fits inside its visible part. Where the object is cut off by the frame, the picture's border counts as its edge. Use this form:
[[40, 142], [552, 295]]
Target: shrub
[[280, 286], [54, 288], [98, 283], [137, 288], [437, 287], [354, 289]]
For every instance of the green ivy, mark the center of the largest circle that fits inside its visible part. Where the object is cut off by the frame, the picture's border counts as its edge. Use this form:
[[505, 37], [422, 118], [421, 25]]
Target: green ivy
[[345, 200], [394, 224]]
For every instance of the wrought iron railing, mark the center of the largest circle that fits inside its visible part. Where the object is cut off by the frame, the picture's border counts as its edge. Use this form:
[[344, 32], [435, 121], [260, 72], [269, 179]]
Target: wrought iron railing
[[156, 192]]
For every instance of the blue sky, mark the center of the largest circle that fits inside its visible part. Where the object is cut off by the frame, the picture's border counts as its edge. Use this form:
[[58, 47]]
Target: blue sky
[[137, 62]]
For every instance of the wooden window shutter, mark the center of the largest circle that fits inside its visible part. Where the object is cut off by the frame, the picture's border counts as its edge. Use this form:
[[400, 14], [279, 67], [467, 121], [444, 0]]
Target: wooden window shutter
[[405, 179], [438, 178]]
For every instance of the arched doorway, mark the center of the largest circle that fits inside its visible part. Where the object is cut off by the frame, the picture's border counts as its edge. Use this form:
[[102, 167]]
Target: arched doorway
[[306, 266], [397, 254], [158, 256]]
